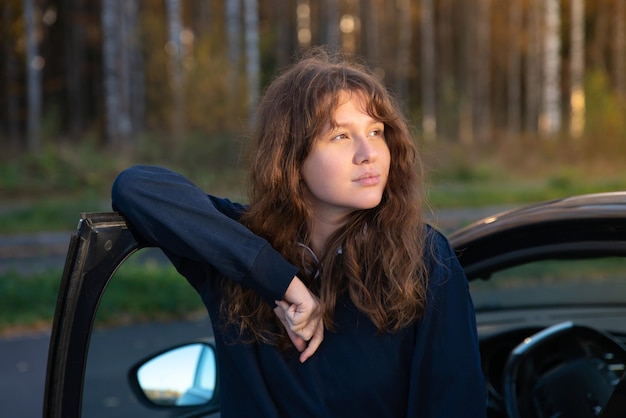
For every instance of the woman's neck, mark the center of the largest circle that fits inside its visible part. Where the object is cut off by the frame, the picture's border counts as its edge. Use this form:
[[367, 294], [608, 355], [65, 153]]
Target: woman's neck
[[321, 230]]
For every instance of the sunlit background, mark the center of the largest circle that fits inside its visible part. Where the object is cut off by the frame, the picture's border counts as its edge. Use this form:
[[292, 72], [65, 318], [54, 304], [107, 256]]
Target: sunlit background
[[512, 101]]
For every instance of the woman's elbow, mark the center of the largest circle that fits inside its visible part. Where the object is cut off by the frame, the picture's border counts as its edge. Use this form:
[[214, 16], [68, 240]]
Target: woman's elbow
[[126, 186]]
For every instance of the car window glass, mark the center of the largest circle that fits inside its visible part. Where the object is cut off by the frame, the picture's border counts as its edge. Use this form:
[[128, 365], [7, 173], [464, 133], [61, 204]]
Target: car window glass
[[597, 282], [147, 307]]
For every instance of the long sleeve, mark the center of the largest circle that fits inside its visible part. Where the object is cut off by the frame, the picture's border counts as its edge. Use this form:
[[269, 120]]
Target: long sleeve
[[170, 212], [446, 375]]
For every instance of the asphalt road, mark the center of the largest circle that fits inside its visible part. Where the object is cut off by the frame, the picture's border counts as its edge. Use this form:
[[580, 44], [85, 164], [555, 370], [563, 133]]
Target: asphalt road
[[112, 353]]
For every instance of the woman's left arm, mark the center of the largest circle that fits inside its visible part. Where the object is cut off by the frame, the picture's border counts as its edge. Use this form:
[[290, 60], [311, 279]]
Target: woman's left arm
[[446, 374]]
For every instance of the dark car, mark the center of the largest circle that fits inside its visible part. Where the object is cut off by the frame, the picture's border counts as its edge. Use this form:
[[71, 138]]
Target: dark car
[[548, 283]]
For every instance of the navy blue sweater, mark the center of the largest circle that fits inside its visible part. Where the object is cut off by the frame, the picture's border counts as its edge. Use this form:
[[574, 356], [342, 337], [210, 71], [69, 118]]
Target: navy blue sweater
[[429, 370]]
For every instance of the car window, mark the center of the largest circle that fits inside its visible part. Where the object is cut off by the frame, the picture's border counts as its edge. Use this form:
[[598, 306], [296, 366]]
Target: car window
[[597, 282], [146, 308]]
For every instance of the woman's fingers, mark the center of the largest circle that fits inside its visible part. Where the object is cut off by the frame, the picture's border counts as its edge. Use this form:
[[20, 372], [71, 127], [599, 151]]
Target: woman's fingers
[[314, 343], [299, 342], [305, 331]]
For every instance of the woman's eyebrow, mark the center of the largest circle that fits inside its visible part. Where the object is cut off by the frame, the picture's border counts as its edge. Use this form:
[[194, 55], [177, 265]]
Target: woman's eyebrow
[[345, 124]]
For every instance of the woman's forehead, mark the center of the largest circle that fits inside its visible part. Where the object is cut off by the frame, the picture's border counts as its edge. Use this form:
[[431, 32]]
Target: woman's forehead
[[357, 97]]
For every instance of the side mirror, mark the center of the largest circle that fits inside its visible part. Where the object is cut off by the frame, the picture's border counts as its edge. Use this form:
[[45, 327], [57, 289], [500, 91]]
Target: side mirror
[[182, 376]]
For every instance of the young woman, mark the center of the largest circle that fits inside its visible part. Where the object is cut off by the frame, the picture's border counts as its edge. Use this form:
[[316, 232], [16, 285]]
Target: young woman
[[328, 294]]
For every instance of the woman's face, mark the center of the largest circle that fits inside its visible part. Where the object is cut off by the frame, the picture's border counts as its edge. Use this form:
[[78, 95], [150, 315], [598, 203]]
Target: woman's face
[[348, 165]]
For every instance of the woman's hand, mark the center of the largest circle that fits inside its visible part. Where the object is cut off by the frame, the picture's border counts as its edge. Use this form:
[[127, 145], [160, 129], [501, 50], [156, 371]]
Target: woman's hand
[[301, 315]]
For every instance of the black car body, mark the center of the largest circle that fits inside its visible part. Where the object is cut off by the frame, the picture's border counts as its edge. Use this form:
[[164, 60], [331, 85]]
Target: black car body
[[552, 342]]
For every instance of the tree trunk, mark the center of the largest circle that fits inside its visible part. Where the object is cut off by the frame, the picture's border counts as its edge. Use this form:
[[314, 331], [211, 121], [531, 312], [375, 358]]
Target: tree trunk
[[74, 38], [303, 26], [331, 35], [550, 120], [482, 74], [202, 17], [532, 71], [429, 115], [253, 65], [175, 50], [597, 50], [285, 15], [514, 70], [233, 39], [619, 55], [10, 66], [122, 72], [34, 66], [110, 74], [447, 68], [370, 31], [577, 69], [136, 78], [466, 74], [403, 57]]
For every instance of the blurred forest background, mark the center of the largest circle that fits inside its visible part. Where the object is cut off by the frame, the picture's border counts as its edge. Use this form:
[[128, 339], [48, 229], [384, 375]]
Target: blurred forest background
[[501, 92]]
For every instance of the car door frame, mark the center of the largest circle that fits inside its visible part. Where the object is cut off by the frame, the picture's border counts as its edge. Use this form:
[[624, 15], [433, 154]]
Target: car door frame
[[101, 243]]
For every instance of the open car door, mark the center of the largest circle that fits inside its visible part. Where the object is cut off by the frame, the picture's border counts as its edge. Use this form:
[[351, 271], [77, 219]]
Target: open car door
[[102, 242]]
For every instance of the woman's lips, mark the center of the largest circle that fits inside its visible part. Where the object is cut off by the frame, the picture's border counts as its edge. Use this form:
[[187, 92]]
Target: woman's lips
[[368, 179]]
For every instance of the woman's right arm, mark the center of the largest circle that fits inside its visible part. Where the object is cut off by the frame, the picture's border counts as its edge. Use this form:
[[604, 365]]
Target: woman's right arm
[[169, 211]]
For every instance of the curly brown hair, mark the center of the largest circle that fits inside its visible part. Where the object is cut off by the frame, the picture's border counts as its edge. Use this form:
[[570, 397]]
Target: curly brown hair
[[381, 266]]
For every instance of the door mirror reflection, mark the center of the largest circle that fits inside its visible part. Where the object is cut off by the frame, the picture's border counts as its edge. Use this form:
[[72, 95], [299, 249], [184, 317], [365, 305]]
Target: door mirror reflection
[[182, 376]]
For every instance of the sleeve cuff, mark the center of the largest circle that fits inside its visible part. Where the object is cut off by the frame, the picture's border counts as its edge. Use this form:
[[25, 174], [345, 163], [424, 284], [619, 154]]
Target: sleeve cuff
[[270, 274]]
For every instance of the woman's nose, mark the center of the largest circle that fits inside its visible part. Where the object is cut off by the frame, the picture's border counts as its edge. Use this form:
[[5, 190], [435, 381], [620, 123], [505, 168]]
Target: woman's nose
[[366, 151]]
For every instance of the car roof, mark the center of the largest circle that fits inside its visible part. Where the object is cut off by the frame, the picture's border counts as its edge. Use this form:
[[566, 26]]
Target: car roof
[[591, 225]]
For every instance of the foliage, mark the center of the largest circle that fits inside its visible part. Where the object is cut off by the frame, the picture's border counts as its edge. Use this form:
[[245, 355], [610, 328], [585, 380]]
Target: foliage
[[138, 292], [604, 109], [147, 290], [70, 35], [27, 302]]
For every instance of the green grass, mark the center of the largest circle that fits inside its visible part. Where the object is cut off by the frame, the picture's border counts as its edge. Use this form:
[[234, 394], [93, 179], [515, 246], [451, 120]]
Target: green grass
[[147, 291], [138, 292], [448, 194], [48, 214]]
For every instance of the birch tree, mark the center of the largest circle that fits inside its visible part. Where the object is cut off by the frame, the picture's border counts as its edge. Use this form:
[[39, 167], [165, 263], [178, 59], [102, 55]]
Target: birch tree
[[113, 113], [429, 116], [175, 51], [577, 69], [550, 119], [233, 42], [34, 66], [253, 65], [122, 71]]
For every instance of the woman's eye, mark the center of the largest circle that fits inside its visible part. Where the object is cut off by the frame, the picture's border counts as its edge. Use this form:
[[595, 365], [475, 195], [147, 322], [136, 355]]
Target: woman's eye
[[376, 132], [339, 137]]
